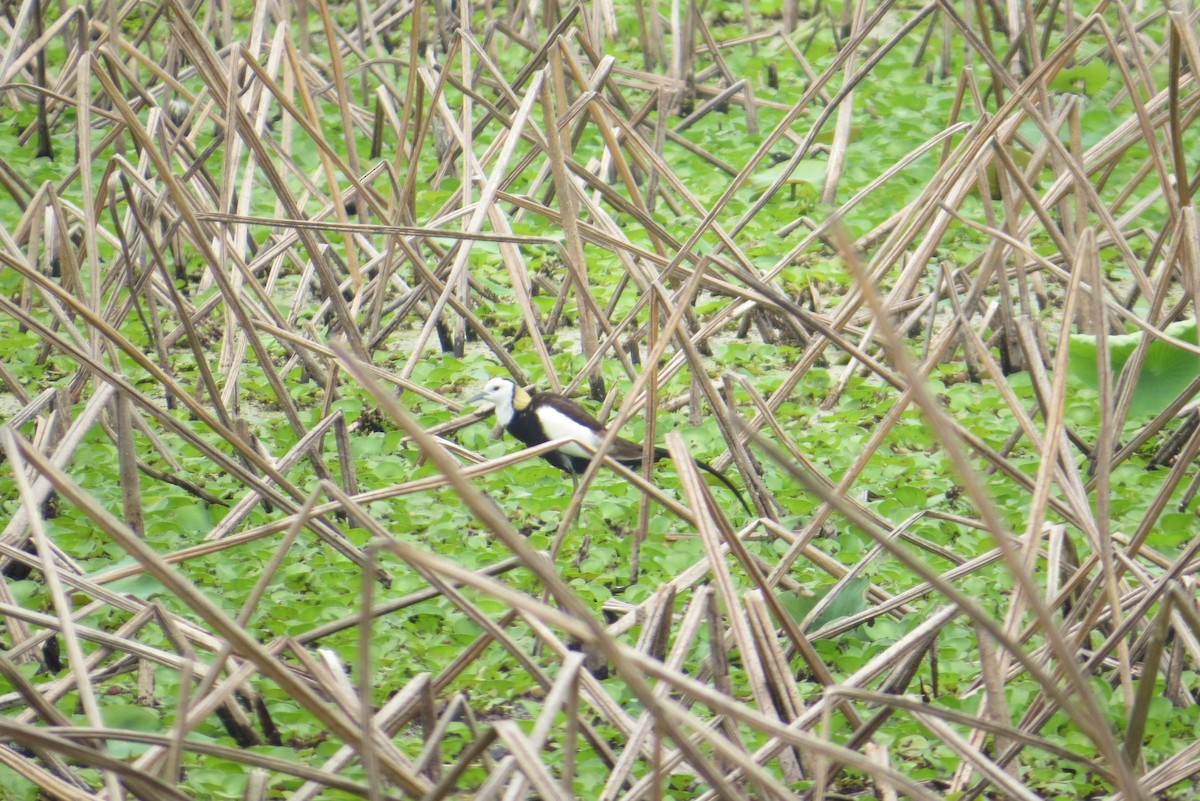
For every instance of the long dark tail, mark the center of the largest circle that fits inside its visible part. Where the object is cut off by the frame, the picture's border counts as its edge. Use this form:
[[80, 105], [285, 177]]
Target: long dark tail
[[663, 453]]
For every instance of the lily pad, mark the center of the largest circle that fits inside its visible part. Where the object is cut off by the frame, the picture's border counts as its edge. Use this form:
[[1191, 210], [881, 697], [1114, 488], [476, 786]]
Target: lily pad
[[809, 172], [850, 601], [1088, 78], [1166, 371]]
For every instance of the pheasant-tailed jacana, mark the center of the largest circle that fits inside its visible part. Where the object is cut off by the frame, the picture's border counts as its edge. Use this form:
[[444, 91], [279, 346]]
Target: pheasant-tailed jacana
[[539, 417]]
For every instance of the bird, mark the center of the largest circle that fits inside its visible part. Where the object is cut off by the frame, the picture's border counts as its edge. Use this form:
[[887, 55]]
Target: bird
[[537, 417]]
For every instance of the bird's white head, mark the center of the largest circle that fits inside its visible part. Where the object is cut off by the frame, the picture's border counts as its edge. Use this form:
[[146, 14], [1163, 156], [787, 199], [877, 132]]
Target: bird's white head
[[503, 394]]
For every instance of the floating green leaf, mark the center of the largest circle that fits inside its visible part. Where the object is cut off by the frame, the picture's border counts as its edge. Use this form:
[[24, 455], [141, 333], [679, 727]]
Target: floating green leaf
[[140, 585], [850, 601], [808, 171], [1088, 78], [1166, 371], [133, 718]]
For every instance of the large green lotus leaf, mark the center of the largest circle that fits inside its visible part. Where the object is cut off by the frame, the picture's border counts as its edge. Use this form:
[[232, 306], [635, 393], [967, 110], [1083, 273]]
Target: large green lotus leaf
[[1166, 371], [129, 716], [808, 171], [1089, 78], [850, 601]]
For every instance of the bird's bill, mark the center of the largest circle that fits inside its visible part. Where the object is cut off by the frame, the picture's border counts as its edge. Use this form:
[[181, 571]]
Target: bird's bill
[[477, 397]]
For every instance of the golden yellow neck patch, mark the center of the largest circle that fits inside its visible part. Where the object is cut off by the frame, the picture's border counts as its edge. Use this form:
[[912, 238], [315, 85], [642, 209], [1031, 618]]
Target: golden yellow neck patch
[[521, 399]]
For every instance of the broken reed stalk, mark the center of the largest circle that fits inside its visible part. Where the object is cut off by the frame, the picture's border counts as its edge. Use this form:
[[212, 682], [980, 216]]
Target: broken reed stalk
[[281, 284]]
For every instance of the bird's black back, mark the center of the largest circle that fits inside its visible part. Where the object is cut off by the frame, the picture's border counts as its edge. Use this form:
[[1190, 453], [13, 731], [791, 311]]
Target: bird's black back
[[526, 427]]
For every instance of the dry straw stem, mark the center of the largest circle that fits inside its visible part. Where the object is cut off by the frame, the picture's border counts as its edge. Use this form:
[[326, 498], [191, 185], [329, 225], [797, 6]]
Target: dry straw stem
[[1089, 717], [222, 624], [578, 620], [193, 264]]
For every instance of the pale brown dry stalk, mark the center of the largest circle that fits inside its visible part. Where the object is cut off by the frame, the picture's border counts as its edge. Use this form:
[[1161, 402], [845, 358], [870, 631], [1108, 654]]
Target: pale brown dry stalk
[[223, 236]]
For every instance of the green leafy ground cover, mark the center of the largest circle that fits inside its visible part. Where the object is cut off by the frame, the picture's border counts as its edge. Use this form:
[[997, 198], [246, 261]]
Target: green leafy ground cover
[[896, 110]]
